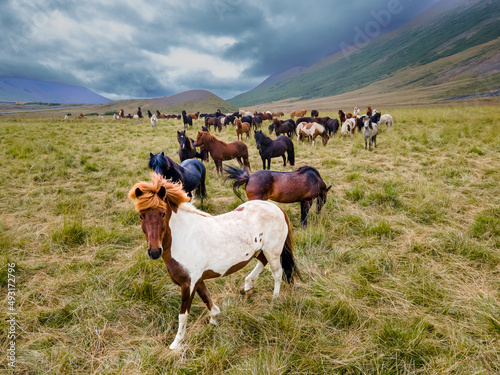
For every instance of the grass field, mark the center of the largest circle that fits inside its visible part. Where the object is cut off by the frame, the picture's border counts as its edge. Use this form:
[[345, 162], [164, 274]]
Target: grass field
[[401, 271]]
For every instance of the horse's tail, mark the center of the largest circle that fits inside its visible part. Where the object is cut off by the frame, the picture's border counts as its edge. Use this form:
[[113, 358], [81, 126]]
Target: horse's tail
[[290, 269], [291, 153], [239, 176]]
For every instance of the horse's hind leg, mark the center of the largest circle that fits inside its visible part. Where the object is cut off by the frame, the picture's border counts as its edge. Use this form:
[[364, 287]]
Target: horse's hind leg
[[284, 160], [252, 276], [240, 162], [213, 310]]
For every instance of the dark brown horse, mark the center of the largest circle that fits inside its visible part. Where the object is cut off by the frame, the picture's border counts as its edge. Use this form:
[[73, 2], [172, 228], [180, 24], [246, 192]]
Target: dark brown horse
[[215, 121], [220, 150], [303, 185], [281, 127]]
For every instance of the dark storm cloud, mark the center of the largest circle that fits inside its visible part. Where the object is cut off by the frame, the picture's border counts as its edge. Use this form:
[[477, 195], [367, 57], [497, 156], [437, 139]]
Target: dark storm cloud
[[140, 49]]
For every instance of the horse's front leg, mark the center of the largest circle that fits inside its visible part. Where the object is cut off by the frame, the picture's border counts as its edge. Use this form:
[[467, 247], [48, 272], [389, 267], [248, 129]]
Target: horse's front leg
[[218, 166], [304, 210], [366, 143], [370, 144], [213, 310], [269, 163], [284, 160], [187, 298]]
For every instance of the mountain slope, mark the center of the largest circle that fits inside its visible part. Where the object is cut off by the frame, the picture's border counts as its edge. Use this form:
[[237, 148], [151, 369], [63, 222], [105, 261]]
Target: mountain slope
[[27, 90], [446, 29]]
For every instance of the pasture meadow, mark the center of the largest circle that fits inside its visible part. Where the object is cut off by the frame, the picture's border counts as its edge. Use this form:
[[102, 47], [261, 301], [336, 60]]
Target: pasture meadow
[[401, 271]]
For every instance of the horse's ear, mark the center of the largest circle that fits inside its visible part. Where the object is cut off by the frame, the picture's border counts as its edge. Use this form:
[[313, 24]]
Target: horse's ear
[[138, 192], [162, 153], [151, 155], [328, 188], [162, 192]]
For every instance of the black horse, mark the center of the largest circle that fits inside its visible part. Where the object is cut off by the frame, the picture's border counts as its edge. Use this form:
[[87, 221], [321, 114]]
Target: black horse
[[191, 173], [272, 149], [186, 119], [187, 150], [332, 126], [257, 122]]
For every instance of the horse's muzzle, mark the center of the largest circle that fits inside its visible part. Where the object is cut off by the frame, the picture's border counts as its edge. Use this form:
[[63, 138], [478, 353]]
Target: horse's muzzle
[[155, 254]]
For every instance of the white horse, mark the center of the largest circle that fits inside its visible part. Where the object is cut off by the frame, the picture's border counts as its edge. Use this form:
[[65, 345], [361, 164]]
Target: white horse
[[196, 246], [356, 111], [370, 132], [386, 119], [154, 121], [66, 117], [116, 117]]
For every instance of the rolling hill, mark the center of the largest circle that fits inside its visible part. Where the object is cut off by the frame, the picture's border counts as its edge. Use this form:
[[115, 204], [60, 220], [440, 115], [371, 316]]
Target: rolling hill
[[455, 42], [191, 101], [28, 90]]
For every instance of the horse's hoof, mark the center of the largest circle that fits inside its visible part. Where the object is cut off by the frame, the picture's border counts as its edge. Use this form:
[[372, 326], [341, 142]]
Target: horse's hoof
[[174, 346]]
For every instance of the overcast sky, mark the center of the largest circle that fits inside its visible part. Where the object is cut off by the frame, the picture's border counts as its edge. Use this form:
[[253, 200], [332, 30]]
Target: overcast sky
[[142, 49]]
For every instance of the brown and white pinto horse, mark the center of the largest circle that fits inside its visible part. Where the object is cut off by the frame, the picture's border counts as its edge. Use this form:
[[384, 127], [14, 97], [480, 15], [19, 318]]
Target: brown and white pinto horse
[[220, 150], [300, 113], [259, 230], [312, 130]]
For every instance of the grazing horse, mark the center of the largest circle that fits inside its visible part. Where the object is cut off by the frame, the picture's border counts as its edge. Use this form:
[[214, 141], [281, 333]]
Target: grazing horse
[[303, 185], [154, 121], [281, 127], [196, 246], [160, 115], [265, 116], [242, 128], [332, 126], [300, 113], [220, 150], [190, 173], [215, 121], [386, 119], [272, 149], [257, 122], [312, 130], [194, 116], [348, 127], [186, 120], [314, 113], [370, 132], [278, 114]]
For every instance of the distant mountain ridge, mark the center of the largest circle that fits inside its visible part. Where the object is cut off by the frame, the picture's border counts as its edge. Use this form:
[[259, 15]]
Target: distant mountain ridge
[[448, 28], [28, 90], [191, 101]]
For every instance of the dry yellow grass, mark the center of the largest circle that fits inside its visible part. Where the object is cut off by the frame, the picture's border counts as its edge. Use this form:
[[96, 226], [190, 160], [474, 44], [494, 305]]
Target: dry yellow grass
[[401, 269]]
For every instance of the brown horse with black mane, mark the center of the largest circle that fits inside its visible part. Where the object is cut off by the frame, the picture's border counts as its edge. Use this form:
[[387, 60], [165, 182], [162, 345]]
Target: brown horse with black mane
[[303, 185], [220, 150]]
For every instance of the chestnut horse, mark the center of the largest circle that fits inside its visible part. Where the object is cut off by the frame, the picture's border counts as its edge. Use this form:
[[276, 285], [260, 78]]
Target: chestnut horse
[[303, 185], [257, 230], [242, 128], [220, 150], [301, 113]]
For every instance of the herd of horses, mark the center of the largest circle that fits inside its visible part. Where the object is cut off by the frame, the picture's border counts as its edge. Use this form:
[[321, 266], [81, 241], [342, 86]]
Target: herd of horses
[[195, 245]]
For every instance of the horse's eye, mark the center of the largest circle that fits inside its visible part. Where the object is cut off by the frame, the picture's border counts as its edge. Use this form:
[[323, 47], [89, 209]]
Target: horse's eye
[[164, 214], [142, 217]]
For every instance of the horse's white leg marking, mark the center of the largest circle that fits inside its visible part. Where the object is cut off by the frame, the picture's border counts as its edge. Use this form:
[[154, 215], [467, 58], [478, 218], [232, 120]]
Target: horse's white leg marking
[[252, 276], [180, 332], [213, 313], [277, 275]]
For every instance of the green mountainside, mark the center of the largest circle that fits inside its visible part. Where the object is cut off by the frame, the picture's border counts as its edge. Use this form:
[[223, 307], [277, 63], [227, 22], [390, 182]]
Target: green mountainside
[[448, 28]]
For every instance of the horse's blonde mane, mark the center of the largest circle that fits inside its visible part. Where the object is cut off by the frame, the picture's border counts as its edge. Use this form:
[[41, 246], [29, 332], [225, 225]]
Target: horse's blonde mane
[[146, 194], [192, 209]]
